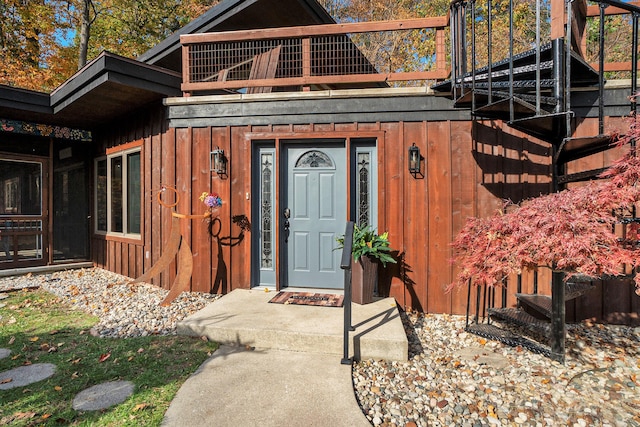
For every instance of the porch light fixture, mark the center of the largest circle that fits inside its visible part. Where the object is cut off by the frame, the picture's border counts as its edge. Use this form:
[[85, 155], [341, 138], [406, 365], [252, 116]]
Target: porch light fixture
[[218, 161], [414, 159]]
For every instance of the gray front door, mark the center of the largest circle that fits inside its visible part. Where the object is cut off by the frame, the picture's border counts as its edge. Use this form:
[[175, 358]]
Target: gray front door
[[316, 207]]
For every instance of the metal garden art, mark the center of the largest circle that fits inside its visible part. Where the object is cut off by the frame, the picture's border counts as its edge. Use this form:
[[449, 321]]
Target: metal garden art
[[177, 245]]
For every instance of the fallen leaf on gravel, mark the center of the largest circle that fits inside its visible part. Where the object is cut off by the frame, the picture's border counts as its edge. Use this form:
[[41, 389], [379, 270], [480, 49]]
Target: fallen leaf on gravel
[[491, 411], [482, 341], [104, 357], [6, 380]]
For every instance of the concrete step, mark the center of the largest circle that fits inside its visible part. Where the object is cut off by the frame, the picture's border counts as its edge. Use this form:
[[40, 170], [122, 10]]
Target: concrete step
[[246, 318]]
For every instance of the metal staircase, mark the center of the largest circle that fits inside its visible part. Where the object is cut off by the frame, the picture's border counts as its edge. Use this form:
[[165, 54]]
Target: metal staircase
[[531, 91]]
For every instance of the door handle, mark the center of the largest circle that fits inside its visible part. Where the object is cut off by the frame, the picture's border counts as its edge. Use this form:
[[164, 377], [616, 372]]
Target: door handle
[[287, 214]]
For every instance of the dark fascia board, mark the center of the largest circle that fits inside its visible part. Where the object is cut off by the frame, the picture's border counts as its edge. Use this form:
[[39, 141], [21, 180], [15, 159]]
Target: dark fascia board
[[23, 99], [209, 20], [143, 76]]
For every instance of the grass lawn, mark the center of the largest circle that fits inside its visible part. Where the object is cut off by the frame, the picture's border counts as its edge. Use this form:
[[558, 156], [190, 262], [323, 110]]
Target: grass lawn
[[39, 328]]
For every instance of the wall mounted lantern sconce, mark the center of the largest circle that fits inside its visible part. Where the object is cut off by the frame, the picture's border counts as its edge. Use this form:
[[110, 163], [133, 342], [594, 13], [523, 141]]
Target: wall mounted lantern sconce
[[414, 160], [218, 162]]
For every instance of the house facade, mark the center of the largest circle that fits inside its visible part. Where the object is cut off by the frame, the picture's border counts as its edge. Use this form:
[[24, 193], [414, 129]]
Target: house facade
[[98, 169]]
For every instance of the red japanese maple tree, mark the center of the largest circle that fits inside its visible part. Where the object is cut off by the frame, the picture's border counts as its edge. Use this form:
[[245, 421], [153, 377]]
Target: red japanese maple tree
[[570, 231]]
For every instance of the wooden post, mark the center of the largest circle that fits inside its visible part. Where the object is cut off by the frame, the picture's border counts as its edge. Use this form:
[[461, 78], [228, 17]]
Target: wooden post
[[558, 19], [441, 57], [306, 60], [185, 68]]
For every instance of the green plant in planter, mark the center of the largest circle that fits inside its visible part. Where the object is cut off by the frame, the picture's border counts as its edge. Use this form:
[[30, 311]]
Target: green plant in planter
[[366, 242]]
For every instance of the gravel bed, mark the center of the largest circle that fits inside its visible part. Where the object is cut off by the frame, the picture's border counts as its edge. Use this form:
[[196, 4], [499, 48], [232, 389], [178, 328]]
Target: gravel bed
[[452, 378], [124, 309]]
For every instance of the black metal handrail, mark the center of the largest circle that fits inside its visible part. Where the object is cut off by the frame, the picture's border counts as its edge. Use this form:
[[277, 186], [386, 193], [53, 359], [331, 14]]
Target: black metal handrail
[[345, 264]]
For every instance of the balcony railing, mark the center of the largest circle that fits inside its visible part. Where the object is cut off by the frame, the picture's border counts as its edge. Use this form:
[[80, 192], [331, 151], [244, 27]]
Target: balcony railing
[[317, 56]]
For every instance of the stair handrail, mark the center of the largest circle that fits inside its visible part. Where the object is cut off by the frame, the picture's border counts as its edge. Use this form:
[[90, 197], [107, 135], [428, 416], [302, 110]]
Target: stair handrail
[[345, 264]]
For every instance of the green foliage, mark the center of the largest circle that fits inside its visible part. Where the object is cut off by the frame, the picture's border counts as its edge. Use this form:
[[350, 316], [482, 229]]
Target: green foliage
[[35, 55], [39, 328], [366, 242]]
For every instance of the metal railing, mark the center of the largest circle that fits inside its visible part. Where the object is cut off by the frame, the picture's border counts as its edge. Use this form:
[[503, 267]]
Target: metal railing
[[316, 55], [345, 264], [570, 23]]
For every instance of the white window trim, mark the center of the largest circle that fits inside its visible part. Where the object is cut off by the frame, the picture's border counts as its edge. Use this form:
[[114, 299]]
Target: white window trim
[[125, 175]]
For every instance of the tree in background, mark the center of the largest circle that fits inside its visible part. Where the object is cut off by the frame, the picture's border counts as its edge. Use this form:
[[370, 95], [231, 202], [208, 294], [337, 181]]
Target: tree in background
[[43, 42], [28, 42], [391, 51]]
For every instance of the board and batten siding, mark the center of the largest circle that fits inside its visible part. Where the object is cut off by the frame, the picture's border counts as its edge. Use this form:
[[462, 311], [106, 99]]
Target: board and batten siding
[[468, 169]]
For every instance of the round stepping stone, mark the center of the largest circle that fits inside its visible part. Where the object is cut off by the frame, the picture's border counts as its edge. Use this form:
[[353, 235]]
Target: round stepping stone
[[103, 395], [25, 375], [4, 352]]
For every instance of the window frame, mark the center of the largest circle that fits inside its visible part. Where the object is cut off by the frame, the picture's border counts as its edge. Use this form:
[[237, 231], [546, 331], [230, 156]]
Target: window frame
[[123, 153]]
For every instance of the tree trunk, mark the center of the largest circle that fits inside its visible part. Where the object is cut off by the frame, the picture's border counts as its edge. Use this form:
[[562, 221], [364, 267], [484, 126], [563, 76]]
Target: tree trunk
[[85, 27]]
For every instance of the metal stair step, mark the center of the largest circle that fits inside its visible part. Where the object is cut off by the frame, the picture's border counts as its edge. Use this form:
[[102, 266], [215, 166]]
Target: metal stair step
[[540, 303], [504, 73], [575, 148], [547, 100], [580, 176], [496, 333], [521, 318], [517, 84]]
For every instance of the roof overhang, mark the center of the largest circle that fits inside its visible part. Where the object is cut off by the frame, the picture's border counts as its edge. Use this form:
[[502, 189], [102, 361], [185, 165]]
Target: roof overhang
[[106, 88]]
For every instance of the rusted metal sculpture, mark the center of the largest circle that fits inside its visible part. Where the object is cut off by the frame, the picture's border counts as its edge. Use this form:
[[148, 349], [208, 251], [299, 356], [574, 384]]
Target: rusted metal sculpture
[[176, 245]]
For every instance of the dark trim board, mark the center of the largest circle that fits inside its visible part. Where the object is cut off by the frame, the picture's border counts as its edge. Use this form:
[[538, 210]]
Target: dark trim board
[[365, 108], [107, 65], [313, 110]]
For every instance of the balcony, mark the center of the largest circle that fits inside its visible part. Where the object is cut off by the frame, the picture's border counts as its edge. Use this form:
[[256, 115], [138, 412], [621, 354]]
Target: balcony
[[315, 57]]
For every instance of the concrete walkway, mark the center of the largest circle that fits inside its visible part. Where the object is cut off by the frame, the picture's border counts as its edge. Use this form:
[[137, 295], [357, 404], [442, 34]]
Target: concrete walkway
[[280, 365], [267, 388], [245, 317]]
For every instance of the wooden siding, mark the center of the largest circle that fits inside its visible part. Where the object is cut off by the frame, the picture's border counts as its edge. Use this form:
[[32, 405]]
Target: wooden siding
[[468, 169]]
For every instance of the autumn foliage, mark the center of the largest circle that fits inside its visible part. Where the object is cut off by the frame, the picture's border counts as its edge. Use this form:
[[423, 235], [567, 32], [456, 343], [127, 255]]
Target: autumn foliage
[[576, 230]]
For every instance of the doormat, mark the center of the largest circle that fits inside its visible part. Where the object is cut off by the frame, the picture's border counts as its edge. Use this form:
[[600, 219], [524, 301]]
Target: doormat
[[308, 298]]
